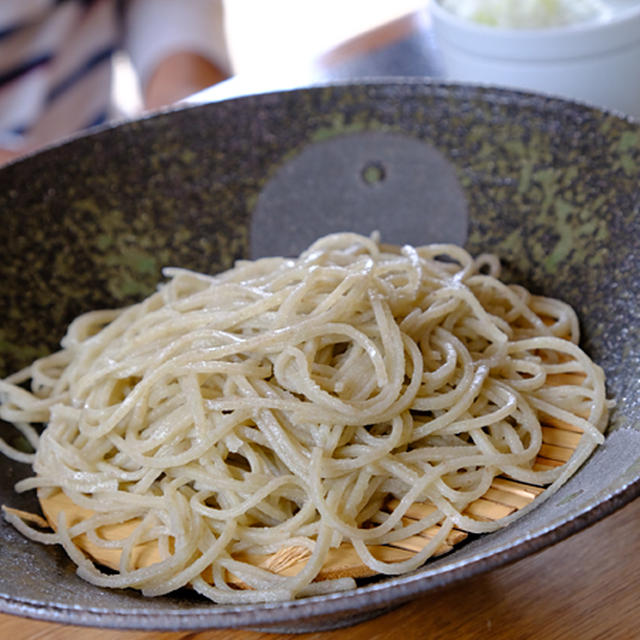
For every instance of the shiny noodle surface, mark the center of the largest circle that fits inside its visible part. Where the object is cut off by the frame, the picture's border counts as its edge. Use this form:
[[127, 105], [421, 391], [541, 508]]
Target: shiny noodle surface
[[283, 402]]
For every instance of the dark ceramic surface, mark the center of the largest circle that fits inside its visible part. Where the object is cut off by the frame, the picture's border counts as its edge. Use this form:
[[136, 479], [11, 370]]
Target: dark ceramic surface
[[550, 186]]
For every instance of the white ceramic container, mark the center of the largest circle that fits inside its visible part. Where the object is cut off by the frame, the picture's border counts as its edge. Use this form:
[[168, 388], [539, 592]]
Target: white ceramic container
[[595, 61]]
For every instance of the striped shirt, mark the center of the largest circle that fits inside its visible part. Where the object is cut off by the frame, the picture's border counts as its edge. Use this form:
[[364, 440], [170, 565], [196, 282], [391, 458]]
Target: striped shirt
[[56, 57]]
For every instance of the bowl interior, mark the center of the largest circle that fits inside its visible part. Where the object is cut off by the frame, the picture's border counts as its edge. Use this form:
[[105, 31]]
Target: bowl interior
[[549, 186]]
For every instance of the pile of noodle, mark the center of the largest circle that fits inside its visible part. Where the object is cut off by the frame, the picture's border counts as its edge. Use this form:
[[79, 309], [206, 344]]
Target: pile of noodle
[[284, 401]]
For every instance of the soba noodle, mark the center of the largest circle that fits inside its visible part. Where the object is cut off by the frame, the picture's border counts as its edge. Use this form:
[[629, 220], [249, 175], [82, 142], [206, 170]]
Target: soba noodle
[[282, 402]]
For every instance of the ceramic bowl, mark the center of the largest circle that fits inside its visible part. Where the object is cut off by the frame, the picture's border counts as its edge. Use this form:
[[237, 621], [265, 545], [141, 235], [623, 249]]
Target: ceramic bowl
[[550, 186]]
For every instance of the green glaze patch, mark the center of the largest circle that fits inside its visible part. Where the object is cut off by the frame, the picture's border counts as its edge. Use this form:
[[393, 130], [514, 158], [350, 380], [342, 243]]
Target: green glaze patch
[[339, 127], [627, 148]]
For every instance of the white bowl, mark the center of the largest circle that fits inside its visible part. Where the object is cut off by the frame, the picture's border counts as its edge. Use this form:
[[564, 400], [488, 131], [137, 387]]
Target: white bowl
[[597, 62]]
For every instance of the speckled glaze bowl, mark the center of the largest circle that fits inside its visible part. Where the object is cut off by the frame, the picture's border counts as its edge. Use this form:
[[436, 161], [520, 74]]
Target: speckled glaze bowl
[[550, 186]]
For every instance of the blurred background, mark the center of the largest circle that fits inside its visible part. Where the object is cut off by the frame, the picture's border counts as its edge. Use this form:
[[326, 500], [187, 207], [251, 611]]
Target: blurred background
[[284, 44], [266, 34], [59, 57], [66, 65]]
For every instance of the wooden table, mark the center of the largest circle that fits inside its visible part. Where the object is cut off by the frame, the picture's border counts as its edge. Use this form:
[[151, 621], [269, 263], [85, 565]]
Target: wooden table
[[586, 587]]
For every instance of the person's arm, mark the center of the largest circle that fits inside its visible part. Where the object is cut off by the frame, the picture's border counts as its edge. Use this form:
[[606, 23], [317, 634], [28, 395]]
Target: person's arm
[[177, 48]]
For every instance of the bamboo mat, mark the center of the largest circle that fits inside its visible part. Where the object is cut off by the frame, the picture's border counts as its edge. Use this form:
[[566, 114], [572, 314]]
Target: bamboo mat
[[504, 497]]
